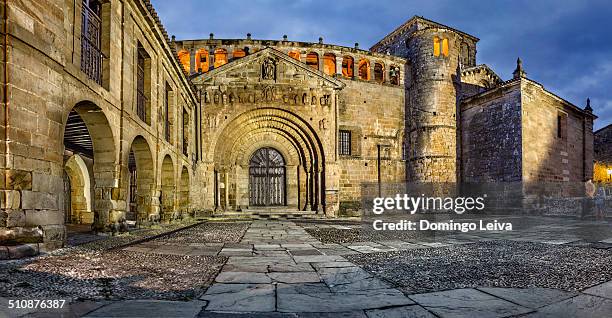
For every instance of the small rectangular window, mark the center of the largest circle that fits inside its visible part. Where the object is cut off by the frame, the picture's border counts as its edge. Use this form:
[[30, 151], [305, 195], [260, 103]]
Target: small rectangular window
[[344, 143], [561, 126]]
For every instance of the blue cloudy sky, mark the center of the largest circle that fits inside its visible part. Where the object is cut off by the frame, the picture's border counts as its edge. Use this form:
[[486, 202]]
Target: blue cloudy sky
[[565, 45]]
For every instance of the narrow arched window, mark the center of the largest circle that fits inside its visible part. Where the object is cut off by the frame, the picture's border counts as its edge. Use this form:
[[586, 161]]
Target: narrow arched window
[[364, 69], [312, 60], [238, 53], [329, 64], [184, 57], [379, 72], [445, 47], [202, 61], [436, 46], [220, 57], [348, 66], [295, 55]]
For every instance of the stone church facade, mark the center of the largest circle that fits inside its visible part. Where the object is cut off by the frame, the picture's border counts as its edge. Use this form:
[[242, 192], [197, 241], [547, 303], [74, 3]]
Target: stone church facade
[[108, 122]]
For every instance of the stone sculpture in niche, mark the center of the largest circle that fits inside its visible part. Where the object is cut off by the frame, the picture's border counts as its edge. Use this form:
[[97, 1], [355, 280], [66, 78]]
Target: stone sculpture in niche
[[268, 69]]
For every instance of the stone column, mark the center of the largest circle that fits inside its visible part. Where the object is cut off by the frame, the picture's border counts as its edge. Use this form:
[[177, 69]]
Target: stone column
[[192, 61], [319, 189], [321, 57], [226, 192], [339, 65], [308, 196], [211, 60]]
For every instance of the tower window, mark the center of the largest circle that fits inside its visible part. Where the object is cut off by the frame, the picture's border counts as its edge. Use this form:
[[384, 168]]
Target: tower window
[[445, 47], [440, 46], [436, 46], [344, 140]]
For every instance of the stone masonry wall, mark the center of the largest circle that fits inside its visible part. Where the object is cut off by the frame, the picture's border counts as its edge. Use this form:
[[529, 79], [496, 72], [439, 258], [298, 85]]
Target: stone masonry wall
[[375, 116], [546, 156], [490, 141], [45, 83]]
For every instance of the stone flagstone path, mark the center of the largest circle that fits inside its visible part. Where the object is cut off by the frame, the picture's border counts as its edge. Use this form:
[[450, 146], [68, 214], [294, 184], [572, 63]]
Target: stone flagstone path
[[287, 273], [279, 270]]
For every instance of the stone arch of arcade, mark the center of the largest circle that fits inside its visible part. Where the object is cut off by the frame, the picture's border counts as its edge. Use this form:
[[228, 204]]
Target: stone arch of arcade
[[87, 131], [140, 181], [282, 130]]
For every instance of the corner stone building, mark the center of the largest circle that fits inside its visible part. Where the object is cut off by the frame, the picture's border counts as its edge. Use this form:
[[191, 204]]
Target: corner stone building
[[107, 122]]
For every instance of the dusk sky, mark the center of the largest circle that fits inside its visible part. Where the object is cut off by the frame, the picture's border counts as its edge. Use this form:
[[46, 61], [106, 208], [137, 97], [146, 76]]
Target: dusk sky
[[564, 45]]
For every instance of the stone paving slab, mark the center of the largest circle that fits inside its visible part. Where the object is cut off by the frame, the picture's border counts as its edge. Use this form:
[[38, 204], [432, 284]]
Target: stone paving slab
[[531, 297], [414, 311], [243, 277], [602, 290], [149, 308], [582, 306], [340, 302], [295, 277], [240, 297], [467, 303]]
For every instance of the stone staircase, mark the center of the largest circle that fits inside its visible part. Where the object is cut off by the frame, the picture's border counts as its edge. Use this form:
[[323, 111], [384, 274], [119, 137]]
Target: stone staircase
[[265, 213]]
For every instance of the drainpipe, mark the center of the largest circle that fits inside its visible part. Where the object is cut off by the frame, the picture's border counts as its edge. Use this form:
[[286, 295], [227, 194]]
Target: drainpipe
[[5, 98]]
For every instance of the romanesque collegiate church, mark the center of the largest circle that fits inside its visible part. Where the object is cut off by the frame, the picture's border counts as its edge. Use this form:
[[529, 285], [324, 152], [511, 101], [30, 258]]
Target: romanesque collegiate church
[[109, 122]]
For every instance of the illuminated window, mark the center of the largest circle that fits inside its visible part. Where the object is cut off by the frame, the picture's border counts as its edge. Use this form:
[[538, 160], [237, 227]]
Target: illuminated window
[[329, 64], [183, 56], [312, 60], [445, 47], [201, 60], [220, 57], [348, 66], [238, 53], [295, 55], [436, 46], [364, 69], [379, 72]]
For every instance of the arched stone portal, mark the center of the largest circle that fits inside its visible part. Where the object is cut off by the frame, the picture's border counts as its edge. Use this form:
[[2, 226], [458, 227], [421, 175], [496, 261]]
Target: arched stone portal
[[267, 178], [167, 198], [88, 133], [286, 133], [184, 191], [79, 210], [140, 182]]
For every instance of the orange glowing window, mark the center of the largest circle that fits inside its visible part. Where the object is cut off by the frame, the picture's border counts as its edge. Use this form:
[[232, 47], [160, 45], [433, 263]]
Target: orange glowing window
[[312, 60], [445, 47], [348, 66], [202, 61], [379, 72], [295, 55], [329, 64], [238, 53], [364, 69], [220, 57], [436, 46], [184, 57]]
